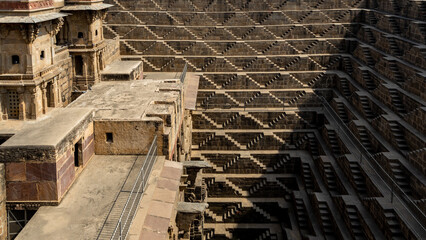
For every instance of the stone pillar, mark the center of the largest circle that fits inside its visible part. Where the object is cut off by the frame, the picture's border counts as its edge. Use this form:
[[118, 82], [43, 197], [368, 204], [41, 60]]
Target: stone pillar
[[52, 48], [33, 103], [28, 60], [3, 100], [3, 213], [94, 69], [22, 114], [2, 92], [55, 92], [101, 60], [2, 61], [44, 97], [86, 71]]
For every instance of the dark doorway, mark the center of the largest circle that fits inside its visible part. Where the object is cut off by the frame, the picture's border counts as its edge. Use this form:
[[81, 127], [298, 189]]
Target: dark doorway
[[78, 154], [49, 95], [78, 61]]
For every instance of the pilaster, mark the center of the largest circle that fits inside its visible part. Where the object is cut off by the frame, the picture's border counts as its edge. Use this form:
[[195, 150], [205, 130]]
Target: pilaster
[[22, 114]]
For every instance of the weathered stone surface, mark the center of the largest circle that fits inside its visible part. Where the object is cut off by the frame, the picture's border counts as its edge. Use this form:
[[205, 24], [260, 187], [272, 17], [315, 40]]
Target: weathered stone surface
[[188, 207], [15, 171], [157, 224], [168, 184]]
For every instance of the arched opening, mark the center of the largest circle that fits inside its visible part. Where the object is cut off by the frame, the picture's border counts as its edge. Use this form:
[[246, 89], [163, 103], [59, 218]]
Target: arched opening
[[78, 61]]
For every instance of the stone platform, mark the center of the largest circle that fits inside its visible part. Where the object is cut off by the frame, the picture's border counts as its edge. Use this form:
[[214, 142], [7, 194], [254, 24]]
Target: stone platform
[[122, 71], [82, 213]]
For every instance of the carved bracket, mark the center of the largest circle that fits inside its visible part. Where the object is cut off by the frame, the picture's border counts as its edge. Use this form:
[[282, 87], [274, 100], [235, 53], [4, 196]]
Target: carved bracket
[[56, 26], [95, 15], [29, 32]]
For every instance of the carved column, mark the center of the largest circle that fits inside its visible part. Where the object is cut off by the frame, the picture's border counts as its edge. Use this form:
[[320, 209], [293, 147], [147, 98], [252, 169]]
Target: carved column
[[4, 33], [3, 100], [22, 115], [3, 93], [55, 92], [86, 71], [44, 97], [29, 33], [55, 28], [33, 103]]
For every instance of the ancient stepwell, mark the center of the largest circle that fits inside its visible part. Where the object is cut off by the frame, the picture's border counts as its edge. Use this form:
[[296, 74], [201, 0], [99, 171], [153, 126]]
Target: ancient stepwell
[[311, 113]]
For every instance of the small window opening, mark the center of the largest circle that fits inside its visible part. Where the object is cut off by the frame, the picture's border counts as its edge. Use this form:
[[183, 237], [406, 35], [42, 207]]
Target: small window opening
[[78, 154], [96, 32], [15, 59], [109, 137], [80, 35], [42, 55]]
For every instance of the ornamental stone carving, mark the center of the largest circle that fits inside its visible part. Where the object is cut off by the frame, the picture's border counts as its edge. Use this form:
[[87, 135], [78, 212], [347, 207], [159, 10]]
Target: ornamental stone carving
[[29, 32]]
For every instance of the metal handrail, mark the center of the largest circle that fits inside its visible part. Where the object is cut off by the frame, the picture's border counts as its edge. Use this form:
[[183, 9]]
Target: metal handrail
[[152, 154], [388, 180], [143, 174]]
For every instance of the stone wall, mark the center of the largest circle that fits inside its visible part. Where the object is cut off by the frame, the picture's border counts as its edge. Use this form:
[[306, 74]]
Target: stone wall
[[65, 165], [128, 137], [3, 213], [65, 77], [110, 53], [44, 175], [31, 42], [49, 86]]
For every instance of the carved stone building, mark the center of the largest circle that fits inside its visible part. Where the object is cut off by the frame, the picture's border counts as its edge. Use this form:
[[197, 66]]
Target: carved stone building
[[302, 119], [50, 50], [50, 53]]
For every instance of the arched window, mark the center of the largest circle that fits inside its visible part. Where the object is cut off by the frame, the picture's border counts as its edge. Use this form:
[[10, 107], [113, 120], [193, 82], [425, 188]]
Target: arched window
[[42, 55], [15, 59], [80, 35], [96, 32]]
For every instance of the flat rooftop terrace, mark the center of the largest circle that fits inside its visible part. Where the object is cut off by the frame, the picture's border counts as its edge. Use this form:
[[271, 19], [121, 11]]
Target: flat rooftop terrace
[[39, 132], [85, 208], [131, 100], [121, 67]]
